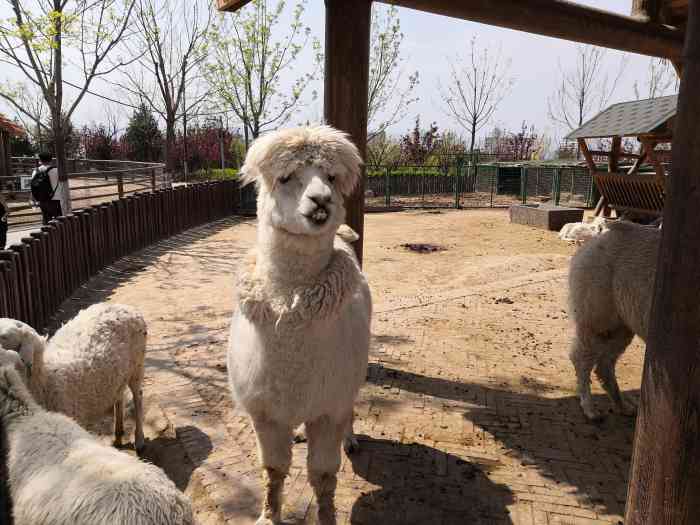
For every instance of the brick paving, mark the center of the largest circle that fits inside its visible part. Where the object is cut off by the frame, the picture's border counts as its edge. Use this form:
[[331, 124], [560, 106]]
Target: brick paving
[[468, 415]]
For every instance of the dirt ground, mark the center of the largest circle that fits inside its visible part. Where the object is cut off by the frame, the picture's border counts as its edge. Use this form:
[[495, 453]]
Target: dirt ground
[[468, 415]]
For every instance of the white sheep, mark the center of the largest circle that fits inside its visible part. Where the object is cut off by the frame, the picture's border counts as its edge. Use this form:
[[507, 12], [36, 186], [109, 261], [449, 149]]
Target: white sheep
[[83, 370], [59, 474], [300, 331], [611, 284], [580, 232]]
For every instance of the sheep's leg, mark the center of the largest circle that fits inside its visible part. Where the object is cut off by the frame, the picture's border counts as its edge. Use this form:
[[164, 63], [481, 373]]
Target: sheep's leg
[[325, 439], [275, 452], [605, 370], [119, 420], [584, 358], [137, 394]]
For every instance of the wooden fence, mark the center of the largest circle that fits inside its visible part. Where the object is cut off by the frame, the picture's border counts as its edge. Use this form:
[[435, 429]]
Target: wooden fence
[[46, 268], [91, 182]]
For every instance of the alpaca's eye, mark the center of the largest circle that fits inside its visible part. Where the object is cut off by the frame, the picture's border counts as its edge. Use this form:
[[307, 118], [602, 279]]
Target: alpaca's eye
[[285, 179], [331, 178]]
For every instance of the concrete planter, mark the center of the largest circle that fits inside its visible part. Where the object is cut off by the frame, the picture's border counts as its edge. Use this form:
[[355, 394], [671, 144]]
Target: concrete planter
[[545, 216]]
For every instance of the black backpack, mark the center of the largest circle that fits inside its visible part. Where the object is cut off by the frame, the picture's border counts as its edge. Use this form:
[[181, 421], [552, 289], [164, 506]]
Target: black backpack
[[41, 187]]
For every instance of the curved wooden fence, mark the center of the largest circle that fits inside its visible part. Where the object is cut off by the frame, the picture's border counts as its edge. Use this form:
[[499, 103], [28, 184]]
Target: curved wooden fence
[[37, 275]]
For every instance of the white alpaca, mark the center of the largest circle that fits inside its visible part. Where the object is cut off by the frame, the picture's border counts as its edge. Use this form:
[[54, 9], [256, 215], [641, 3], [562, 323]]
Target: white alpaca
[[300, 330], [59, 474], [83, 370], [611, 283]]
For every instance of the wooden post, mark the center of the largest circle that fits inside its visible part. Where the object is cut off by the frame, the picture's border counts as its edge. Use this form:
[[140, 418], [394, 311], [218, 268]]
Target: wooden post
[[665, 474], [346, 86], [120, 185], [647, 10]]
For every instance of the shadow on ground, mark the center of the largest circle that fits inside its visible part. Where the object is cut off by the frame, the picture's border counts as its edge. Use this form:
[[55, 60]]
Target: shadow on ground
[[550, 434], [419, 485]]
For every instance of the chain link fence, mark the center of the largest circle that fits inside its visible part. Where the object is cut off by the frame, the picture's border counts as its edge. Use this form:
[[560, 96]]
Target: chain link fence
[[466, 185]]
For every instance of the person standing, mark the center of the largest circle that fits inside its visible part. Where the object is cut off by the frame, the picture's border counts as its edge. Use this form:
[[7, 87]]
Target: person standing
[[46, 188]]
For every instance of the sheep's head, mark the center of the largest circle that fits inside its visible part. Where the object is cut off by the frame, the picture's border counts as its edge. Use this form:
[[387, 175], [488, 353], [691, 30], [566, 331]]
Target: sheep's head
[[12, 359], [21, 338], [303, 176]]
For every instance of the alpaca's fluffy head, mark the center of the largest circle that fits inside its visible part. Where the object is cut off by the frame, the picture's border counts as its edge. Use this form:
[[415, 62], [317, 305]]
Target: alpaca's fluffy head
[[303, 175], [20, 337]]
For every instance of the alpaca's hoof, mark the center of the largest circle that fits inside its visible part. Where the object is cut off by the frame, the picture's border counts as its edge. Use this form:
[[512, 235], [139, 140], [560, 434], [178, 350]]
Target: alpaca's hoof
[[592, 415], [351, 445], [326, 515], [117, 443], [140, 447]]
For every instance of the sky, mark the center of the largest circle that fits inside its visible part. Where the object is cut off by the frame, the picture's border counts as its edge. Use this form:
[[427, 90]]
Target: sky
[[430, 40]]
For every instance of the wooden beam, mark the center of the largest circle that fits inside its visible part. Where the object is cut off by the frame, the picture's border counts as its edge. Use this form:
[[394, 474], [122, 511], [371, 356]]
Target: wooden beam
[[647, 10], [640, 160], [665, 474], [583, 146], [562, 19], [346, 84], [230, 5]]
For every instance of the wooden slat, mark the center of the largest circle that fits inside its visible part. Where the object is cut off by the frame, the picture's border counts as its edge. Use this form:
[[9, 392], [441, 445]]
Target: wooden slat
[[561, 19]]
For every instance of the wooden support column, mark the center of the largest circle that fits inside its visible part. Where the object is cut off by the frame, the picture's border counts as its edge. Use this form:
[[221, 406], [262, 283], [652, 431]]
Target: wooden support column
[[665, 474], [647, 10], [346, 85], [614, 158], [583, 147], [5, 499]]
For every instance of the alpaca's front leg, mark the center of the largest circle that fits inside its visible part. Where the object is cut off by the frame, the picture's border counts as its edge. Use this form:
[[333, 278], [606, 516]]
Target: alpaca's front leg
[[325, 438], [275, 453]]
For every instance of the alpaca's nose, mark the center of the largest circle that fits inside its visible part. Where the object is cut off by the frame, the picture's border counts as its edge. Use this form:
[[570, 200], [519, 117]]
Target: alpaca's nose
[[321, 200]]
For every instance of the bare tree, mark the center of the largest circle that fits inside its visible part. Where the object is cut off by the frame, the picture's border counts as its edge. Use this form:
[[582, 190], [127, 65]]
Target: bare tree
[[661, 79], [477, 86], [247, 62], [585, 88], [44, 39], [388, 98], [171, 44]]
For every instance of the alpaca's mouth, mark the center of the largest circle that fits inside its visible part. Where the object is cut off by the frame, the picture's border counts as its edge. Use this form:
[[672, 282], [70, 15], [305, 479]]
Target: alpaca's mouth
[[319, 217]]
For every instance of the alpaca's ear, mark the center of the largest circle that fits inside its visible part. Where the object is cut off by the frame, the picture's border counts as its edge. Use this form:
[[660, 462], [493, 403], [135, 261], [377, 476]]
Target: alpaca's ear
[[246, 176]]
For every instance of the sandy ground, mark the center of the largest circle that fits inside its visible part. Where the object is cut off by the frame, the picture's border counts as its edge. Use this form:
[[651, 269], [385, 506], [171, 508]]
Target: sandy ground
[[469, 370]]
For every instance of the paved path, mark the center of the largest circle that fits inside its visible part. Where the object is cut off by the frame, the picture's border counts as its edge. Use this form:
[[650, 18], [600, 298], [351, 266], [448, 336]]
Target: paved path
[[468, 415]]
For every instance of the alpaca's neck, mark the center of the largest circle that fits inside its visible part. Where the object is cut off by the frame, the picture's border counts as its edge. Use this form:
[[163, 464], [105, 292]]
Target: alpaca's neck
[[287, 259]]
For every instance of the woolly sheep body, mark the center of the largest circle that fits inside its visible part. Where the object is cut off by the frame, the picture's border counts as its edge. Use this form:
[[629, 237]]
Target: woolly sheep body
[[84, 368], [610, 292], [59, 474]]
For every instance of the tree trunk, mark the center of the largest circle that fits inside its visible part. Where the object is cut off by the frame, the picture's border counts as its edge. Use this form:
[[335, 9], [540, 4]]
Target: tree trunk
[[469, 185], [57, 115], [169, 145]]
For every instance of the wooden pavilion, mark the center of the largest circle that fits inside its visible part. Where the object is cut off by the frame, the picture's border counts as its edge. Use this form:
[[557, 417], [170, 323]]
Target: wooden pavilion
[[651, 123], [665, 475], [8, 129]]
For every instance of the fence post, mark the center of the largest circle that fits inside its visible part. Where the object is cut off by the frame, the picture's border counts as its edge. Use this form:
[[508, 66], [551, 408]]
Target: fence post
[[523, 184], [556, 190], [120, 185], [153, 179], [387, 189]]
